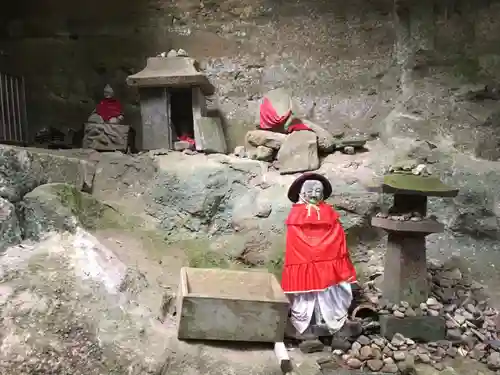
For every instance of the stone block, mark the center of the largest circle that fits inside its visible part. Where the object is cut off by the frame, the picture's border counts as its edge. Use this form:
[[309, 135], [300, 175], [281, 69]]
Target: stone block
[[299, 153], [405, 271], [265, 138], [182, 145], [209, 135], [420, 328], [155, 132], [106, 137], [217, 304]]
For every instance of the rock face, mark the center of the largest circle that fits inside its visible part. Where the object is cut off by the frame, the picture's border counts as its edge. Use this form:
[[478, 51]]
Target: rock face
[[299, 153], [86, 303], [10, 231], [488, 138], [57, 207], [21, 170]]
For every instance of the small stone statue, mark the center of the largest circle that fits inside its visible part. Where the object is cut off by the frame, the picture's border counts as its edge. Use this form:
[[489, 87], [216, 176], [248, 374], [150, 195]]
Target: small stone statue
[[109, 110], [317, 272]]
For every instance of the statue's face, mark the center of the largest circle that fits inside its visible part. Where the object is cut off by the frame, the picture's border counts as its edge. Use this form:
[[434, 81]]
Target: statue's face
[[312, 191], [108, 92]]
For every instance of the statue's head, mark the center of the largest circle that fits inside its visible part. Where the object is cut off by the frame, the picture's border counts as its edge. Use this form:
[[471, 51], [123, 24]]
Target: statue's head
[[312, 191], [108, 92]]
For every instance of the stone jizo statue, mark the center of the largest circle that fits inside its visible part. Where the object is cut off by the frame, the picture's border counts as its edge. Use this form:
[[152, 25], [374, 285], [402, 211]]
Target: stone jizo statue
[[318, 272], [109, 110]]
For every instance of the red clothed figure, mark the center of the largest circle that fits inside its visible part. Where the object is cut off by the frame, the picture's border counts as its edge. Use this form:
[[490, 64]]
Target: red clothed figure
[[270, 119], [316, 254], [109, 108], [187, 138]]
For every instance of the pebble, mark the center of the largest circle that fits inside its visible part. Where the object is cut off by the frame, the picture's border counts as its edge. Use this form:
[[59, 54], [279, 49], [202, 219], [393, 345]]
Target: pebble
[[431, 301], [356, 346], [388, 361], [398, 314], [354, 363], [339, 344], [379, 341], [363, 340], [375, 364], [452, 352], [493, 361], [311, 346], [390, 368], [410, 312], [460, 319], [433, 312], [424, 358], [365, 353], [399, 355], [398, 339], [454, 335]]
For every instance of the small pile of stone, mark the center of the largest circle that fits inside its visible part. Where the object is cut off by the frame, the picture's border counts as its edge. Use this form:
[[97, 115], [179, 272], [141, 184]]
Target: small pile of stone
[[173, 53], [375, 353], [295, 152], [411, 167], [412, 216], [471, 326]]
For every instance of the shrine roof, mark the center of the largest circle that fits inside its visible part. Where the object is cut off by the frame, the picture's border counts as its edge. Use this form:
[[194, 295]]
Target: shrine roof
[[404, 183], [174, 72]]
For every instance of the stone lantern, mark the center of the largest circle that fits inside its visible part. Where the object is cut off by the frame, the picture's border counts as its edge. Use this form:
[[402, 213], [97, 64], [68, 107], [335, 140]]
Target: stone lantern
[[407, 225], [172, 92]]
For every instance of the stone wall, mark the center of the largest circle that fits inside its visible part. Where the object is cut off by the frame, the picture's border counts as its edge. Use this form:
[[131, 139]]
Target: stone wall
[[337, 54]]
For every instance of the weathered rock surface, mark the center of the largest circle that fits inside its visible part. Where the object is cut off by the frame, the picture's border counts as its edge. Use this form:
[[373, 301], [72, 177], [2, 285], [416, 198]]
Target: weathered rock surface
[[488, 138], [53, 207], [106, 137], [261, 153], [23, 169], [67, 307], [10, 231], [265, 138], [326, 140], [299, 153]]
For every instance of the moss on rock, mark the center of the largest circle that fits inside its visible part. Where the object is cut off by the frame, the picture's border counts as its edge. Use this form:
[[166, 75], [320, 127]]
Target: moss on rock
[[64, 207]]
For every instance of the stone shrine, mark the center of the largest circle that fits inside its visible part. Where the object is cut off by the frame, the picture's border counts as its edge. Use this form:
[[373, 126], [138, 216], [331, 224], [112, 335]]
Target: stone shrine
[[407, 224], [104, 130], [173, 106]]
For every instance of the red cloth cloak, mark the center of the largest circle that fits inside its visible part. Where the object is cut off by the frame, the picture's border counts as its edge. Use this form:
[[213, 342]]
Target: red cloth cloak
[[109, 108], [316, 254], [270, 119]]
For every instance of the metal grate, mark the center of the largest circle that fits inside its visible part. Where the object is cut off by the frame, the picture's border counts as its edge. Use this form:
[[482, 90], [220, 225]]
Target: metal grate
[[13, 115]]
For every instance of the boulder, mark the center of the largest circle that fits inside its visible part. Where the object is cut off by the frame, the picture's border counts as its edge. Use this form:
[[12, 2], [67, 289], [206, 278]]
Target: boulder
[[299, 153], [54, 207], [261, 153], [326, 140], [265, 138], [10, 232], [23, 169]]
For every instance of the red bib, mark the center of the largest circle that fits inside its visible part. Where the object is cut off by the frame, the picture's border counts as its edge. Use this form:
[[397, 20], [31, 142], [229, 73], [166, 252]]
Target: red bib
[[316, 254]]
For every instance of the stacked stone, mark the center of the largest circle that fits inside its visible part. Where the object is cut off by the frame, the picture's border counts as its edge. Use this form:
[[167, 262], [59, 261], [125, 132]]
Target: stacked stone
[[471, 327], [295, 152]]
